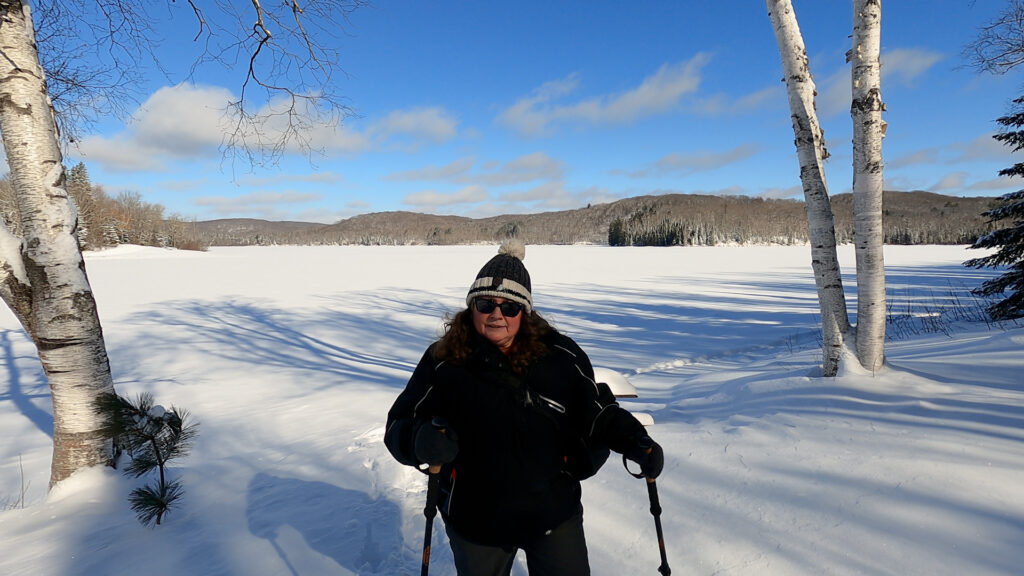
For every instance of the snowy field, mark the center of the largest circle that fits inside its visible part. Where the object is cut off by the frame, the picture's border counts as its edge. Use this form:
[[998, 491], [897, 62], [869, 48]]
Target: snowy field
[[289, 358]]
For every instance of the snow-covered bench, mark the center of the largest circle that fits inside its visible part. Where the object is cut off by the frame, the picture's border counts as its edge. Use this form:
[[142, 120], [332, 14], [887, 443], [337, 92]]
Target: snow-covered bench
[[621, 388]]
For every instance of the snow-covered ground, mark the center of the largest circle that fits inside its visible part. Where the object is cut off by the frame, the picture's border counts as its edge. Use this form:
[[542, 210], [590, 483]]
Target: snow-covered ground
[[289, 357]]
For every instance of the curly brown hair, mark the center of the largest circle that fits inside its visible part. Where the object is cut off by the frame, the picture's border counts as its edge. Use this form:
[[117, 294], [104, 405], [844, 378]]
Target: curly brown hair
[[454, 345]]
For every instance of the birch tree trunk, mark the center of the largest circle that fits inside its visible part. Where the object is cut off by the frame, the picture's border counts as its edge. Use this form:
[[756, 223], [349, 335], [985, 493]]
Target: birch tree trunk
[[868, 130], [43, 275], [810, 148]]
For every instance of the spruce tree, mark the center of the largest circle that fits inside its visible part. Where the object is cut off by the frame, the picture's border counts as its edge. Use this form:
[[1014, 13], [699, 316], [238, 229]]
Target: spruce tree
[[1010, 238]]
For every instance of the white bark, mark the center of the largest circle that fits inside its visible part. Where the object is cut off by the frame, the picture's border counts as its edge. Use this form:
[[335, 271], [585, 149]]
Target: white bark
[[15, 288], [61, 318], [810, 147], [868, 129]]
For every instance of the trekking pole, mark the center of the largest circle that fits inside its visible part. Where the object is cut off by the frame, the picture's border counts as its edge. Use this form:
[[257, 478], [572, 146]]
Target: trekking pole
[[652, 494], [430, 510]]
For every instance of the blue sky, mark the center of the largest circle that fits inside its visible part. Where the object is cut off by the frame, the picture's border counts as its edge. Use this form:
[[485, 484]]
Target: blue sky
[[483, 108]]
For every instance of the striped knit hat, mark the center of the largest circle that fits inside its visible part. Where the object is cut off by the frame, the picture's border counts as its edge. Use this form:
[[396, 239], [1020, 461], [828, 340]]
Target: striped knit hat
[[504, 276]]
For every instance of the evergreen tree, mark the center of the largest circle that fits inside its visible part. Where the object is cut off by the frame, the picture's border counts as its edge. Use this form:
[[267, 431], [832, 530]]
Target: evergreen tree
[[80, 195], [616, 233], [151, 436], [1009, 239]]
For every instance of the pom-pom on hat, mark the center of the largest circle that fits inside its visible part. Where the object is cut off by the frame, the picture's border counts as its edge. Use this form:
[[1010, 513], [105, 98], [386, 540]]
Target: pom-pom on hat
[[504, 276]]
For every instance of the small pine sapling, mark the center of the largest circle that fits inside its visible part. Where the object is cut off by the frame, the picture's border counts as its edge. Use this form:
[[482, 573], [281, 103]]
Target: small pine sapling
[[152, 437]]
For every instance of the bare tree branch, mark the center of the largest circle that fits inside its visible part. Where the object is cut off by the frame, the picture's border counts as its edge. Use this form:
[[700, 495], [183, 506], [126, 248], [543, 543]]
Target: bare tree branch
[[288, 50], [999, 46], [286, 54]]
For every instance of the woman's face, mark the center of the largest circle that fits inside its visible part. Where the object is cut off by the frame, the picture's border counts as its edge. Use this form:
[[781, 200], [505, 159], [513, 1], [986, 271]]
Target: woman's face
[[499, 329]]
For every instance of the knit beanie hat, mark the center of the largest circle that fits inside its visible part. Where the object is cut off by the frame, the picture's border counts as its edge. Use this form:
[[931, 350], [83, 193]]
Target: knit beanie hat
[[504, 276]]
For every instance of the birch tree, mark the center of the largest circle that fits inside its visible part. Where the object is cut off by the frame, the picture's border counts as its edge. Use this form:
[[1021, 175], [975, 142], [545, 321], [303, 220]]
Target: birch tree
[[811, 152], [42, 273], [868, 129]]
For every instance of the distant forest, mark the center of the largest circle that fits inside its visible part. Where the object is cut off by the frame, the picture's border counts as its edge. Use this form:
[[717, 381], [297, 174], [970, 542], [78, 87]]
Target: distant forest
[[665, 220], [105, 220]]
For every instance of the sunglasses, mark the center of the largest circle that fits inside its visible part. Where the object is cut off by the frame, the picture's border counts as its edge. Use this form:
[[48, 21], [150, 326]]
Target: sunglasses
[[509, 309]]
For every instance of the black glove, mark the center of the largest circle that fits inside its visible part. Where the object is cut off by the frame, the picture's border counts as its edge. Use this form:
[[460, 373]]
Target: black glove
[[435, 443], [649, 455]]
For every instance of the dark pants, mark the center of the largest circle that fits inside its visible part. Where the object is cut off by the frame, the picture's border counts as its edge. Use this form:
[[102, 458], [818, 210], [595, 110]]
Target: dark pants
[[561, 552]]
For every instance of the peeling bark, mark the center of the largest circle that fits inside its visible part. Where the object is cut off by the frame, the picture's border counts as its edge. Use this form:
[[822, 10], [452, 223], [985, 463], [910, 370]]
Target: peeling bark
[[58, 310], [868, 130], [810, 146]]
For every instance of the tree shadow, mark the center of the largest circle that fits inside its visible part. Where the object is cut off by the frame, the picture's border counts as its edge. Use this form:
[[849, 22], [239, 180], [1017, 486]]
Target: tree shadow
[[24, 402], [259, 335], [358, 533], [709, 318]]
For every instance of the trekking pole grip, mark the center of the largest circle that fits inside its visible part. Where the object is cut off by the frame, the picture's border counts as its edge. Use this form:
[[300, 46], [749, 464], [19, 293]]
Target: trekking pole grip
[[441, 425], [652, 494], [430, 510]]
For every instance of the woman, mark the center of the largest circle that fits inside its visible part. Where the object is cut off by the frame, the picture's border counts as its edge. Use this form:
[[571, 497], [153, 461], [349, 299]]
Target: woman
[[503, 402]]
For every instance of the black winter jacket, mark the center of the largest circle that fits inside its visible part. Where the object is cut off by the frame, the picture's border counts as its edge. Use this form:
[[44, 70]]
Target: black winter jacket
[[509, 482]]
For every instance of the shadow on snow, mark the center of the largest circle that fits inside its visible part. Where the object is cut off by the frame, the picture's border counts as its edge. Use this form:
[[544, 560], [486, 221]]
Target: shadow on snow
[[25, 402], [360, 534]]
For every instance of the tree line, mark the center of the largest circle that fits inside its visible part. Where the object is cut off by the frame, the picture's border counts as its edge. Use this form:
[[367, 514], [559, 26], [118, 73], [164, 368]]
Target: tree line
[[105, 220], [663, 220], [908, 218]]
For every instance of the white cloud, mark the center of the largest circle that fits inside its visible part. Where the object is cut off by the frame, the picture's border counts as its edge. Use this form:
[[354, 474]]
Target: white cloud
[[696, 162], [187, 121], [903, 65], [449, 171], [656, 94], [326, 177], [551, 196], [419, 124], [951, 181], [545, 194], [429, 199], [925, 156], [722, 104], [335, 138], [474, 194], [183, 120], [180, 185], [834, 93], [297, 126], [983, 147], [257, 198], [265, 205], [180, 121], [120, 153], [526, 168], [783, 193], [997, 184], [522, 115], [409, 129], [959, 182]]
